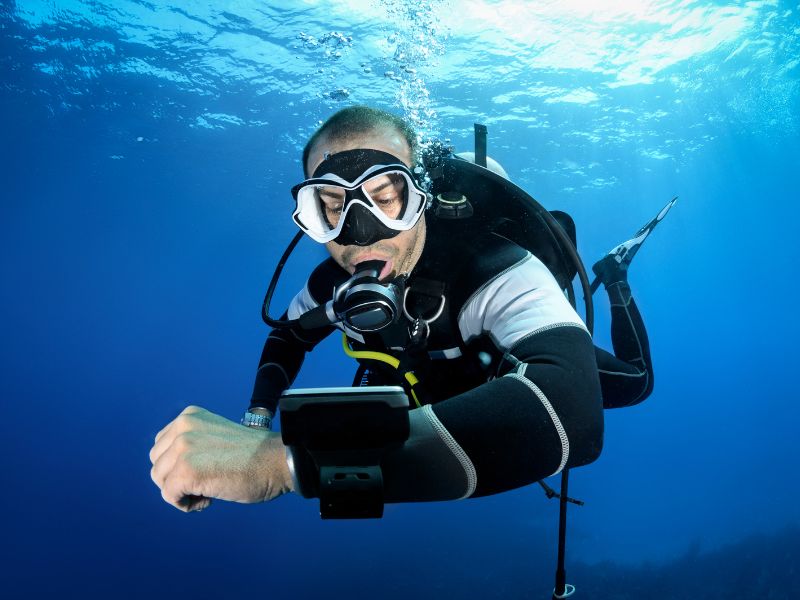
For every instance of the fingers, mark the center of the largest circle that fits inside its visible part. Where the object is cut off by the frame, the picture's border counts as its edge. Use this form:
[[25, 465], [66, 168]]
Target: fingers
[[195, 503], [171, 497], [171, 471], [190, 464], [181, 424], [189, 410], [179, 482], [173, 486], [165, 462], [185, 502]]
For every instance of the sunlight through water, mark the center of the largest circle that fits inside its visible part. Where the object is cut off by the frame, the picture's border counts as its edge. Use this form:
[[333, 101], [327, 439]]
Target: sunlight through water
[[622, 69]]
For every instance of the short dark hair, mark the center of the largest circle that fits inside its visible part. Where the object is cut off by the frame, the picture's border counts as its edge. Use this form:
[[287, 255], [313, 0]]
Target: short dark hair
[[356, 120]]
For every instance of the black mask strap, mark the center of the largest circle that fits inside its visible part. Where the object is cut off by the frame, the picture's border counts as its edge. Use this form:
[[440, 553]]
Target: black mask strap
[[351, 164]]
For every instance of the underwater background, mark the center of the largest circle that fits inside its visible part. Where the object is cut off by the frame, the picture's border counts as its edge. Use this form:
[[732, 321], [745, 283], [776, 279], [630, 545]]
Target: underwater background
[[147, 149]]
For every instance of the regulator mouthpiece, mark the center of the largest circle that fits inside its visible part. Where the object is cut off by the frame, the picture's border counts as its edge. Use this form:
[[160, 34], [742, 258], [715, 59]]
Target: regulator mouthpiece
[[366, 305]]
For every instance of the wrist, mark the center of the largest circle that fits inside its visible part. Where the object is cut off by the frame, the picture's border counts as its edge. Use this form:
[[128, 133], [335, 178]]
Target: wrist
[[282, 473]]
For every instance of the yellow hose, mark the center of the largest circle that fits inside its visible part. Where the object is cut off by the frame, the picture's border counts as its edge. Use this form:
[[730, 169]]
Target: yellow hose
[[384, 358]]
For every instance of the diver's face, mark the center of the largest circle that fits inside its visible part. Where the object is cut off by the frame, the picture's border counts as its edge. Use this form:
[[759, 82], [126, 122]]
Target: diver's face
[[401, 252]]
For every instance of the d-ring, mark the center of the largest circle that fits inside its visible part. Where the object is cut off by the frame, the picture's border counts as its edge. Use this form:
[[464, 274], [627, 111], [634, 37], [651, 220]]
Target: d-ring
[[421, 318]]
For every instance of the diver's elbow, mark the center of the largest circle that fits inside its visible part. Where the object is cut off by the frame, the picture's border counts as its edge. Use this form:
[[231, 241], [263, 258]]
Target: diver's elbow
[[587, 440], [594, 447]]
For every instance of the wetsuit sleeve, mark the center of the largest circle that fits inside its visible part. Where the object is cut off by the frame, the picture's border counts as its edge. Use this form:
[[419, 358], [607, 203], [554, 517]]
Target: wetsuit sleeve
[[283, 355], [540, 415], [284, 352]]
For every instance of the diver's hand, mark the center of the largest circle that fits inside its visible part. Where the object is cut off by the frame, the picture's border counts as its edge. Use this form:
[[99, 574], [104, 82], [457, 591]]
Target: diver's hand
[[200, 456]]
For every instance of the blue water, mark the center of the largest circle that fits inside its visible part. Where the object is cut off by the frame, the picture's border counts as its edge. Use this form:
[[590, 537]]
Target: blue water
[[146, 152]]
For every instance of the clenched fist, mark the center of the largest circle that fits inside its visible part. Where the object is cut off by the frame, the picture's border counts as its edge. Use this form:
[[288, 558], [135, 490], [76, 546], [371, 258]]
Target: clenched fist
[[200, 456]]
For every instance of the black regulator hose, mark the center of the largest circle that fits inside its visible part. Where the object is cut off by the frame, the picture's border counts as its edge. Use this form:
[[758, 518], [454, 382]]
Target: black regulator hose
[[273, 284], [567, 244]]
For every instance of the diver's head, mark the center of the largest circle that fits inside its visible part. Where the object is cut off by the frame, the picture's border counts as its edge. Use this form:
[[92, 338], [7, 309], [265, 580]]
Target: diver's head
[[362, 199], [354, 121]]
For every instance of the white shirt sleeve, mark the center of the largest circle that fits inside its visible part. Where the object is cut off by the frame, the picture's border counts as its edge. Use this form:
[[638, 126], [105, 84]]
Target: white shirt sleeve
[[520, 301]]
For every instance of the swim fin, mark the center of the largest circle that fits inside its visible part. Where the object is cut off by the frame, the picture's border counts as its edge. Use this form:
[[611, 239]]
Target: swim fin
[[618, 259]]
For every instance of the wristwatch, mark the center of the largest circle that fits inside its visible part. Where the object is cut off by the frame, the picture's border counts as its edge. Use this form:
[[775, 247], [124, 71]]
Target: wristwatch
[[258, 418]]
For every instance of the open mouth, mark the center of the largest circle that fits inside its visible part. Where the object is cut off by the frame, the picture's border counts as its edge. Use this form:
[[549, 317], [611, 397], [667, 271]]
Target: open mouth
[[386, 270]]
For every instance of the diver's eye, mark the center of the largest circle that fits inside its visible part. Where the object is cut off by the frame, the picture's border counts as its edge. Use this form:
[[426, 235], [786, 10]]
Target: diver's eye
[[332, 201], [387, 191], [330, 194]]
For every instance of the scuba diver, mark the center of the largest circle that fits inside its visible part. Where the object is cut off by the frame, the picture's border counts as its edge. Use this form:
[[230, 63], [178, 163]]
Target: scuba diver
[[498, 366], [454, 321], [501, 370]]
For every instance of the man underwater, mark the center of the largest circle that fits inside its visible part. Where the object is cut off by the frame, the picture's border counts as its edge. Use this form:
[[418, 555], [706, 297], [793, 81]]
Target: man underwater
[[507, 383]]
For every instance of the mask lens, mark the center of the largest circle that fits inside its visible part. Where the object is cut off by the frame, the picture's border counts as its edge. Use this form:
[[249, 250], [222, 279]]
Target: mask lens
[[330, 200], [389, 192]]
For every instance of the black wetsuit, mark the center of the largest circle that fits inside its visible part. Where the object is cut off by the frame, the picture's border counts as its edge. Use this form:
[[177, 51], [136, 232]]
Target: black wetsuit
[[626, 377], [509, 384]]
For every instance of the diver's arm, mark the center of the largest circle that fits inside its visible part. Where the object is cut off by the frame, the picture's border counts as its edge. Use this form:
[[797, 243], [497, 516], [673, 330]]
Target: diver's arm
[[200, 456], [543, 414], [283, 355], [284, 352]]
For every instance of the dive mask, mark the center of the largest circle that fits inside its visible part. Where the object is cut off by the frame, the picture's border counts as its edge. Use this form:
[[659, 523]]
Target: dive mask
[[358, 197]]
